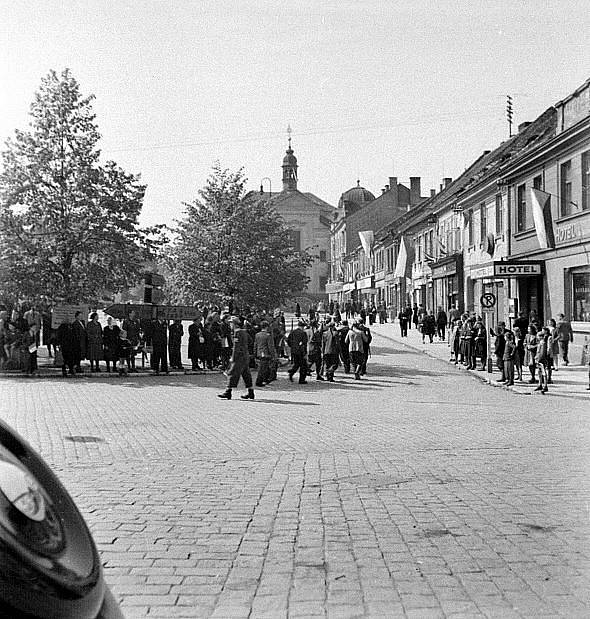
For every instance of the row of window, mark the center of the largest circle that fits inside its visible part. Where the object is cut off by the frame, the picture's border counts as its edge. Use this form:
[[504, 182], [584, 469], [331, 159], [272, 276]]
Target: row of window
[[567, 204]]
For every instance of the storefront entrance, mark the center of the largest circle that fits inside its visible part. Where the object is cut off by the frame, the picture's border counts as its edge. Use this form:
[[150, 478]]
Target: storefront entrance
[[530, 296]]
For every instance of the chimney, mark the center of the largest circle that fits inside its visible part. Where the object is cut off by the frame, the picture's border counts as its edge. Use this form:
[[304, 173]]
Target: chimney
[[432, 193], [393, 182], [383, 189], [414, 190], [447, 181], [523, 126], [440, 188], [386, 187]]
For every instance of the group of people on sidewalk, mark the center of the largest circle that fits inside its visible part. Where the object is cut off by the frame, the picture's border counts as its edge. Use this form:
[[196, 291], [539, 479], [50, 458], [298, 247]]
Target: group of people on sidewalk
[[527, 344], [531, 345]]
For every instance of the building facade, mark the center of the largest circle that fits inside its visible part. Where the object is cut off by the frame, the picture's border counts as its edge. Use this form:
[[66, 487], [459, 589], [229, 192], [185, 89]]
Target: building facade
[[309, 219]]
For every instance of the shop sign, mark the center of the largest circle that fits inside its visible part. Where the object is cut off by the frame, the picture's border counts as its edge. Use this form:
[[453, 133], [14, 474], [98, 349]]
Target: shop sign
[[444, 270], [481, 272], [518, 269], [569, 232], [348, 287], [366, 282], [333, 287]]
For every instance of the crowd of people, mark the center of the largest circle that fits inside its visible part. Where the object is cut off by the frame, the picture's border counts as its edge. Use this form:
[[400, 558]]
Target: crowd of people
[[327, 337], [527, 344], [316, 345]]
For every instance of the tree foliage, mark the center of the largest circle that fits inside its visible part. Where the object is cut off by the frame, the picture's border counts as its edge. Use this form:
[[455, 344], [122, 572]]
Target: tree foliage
[[69, 225], [233, 246]]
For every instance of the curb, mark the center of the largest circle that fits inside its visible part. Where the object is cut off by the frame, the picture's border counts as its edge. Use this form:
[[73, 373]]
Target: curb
[[477, 376]]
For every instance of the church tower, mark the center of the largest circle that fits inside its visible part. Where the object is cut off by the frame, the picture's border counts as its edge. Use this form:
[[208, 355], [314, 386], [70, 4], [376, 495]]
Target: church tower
[[289, 167]]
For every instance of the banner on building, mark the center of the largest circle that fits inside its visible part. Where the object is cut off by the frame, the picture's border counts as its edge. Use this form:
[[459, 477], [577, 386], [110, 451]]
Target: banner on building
[[405, 257], [541, 207], [367, 237]]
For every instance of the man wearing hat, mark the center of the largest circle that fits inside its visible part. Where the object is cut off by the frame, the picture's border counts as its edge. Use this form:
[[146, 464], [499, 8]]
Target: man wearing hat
[[297, 341], [239, 363]]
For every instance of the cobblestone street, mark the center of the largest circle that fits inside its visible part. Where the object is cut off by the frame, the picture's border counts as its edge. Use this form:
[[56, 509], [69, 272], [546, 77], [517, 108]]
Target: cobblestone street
[[417, 492]]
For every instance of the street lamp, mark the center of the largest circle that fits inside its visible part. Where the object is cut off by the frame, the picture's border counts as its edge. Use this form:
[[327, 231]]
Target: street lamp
[[269, 185]]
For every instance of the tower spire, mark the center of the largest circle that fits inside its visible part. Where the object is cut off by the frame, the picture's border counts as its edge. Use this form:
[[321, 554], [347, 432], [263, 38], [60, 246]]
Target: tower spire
[[289, 166]]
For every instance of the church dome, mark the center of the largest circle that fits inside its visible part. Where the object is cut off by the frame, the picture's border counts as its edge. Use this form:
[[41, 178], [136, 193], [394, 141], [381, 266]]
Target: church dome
[[356, 195], [289, 158]]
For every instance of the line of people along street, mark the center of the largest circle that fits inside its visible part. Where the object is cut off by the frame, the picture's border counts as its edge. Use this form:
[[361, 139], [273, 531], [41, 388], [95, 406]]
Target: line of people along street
[[528, 346], [315, 347]]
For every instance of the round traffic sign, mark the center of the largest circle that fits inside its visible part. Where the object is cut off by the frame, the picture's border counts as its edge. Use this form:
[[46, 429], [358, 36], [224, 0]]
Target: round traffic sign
[[488, 299]]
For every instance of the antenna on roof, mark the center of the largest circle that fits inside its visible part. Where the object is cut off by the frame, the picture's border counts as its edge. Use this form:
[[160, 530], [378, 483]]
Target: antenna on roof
[[509, 114]]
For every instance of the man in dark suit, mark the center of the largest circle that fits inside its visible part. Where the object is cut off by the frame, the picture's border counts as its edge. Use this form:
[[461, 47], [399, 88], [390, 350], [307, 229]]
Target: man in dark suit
[[159, 340], [80, 340], [239, 363], [297, 341]]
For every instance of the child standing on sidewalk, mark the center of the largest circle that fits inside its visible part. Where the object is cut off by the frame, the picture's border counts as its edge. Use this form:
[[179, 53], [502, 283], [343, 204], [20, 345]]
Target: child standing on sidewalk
[[124, 348]]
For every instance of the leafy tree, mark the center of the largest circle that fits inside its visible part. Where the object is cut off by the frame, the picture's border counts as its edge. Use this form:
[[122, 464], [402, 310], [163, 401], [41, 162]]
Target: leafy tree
[[233, 246], [68, 224]]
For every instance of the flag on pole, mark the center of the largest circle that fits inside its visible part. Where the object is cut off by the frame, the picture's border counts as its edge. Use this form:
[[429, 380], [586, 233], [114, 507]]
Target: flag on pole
[[405, 257], [367, 238], [541, 207]]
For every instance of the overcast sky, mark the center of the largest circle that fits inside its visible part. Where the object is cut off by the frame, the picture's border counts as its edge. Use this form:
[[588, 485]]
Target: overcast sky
[[372, 89]]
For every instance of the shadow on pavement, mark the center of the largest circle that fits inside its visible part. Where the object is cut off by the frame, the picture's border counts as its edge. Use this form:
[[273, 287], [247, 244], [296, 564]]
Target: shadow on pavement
[[290, 402]]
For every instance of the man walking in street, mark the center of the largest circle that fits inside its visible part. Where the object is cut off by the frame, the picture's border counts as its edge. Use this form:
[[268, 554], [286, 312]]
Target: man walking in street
[[239, 365], [403, 322], [330, 350], [565, 335], [297, 341], [314, 349], [265, 353], [356, 340]]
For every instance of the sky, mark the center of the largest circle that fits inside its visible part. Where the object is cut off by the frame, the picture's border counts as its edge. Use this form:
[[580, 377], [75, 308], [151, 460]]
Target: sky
[[371, 89]]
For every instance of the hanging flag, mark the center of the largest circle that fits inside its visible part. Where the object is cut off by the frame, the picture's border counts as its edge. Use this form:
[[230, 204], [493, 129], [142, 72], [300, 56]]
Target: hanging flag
[[541, 207], [405, 257], [367, 238], [442, 248]]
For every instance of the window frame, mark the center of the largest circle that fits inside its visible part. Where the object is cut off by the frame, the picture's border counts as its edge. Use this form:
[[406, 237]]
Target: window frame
[[521, 218]]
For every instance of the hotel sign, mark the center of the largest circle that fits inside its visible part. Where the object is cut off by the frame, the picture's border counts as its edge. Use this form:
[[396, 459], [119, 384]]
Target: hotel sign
[[517, 269]]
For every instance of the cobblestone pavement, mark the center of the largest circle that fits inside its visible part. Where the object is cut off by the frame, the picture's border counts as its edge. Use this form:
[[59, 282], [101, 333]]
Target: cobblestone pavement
[[416, 492]]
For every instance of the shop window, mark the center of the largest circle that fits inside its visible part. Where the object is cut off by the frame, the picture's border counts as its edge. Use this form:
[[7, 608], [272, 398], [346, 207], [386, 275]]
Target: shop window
[[581, 296], [521, 208], [565, 178], [586, 180], [499, 215]]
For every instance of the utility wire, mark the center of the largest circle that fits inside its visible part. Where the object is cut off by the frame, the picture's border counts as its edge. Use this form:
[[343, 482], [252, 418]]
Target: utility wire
[[424, 121]]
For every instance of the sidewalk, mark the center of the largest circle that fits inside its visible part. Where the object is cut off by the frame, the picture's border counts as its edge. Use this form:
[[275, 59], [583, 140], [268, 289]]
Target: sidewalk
[[568, 381]]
